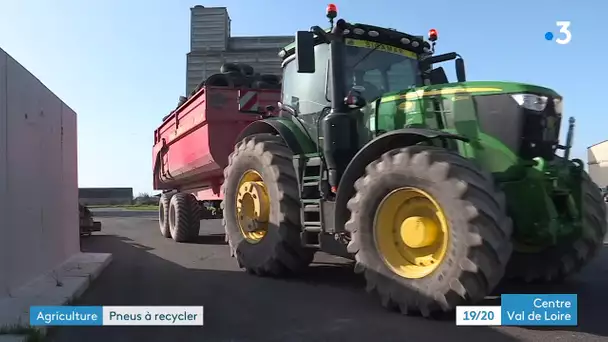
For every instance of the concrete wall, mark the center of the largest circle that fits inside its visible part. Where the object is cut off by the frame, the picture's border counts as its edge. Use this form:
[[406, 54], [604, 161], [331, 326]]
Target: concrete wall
[[38, 178], [597, 157]]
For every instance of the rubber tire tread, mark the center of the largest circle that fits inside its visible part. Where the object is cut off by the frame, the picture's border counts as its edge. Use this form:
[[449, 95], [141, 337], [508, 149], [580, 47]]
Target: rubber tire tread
[[280, 252], [480, 230], [163, 211], [557, 263], [188, 217]]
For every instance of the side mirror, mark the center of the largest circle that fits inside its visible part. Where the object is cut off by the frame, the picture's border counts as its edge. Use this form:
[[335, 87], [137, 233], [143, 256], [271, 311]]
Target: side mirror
[[460, 73], [441, 58], [355, 99], [438, 76], [305, 52]]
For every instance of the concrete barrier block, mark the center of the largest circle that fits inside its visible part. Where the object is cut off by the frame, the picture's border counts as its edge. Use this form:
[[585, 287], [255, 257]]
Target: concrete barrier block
[[13, 338], [59, 287]]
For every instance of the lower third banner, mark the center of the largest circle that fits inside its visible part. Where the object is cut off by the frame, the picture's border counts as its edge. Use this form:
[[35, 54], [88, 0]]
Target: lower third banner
[[523, 310], [539, 309], [116, 315]]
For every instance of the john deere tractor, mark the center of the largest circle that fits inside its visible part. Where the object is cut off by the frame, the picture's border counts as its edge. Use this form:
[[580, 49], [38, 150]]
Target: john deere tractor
[[436, 190]]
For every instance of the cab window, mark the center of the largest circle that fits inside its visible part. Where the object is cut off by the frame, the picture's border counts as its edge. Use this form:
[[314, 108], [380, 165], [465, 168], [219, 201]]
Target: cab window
[[306, 92], [379, 71]]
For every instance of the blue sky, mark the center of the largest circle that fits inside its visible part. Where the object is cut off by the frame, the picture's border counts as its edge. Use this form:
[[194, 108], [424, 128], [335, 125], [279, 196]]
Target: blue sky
[[121, 64]]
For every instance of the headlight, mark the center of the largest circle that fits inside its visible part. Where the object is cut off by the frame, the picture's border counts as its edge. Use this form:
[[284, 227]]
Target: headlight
[[559, 106], [531, 101]]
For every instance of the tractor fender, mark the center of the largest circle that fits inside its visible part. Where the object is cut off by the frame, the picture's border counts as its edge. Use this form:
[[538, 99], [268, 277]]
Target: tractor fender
[[372, 151], [292, 133]]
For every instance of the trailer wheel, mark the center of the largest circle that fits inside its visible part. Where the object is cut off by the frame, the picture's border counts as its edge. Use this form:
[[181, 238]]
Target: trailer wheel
[[184, 217], [429, 230], [163, 215], [556, 263], [261, 207]]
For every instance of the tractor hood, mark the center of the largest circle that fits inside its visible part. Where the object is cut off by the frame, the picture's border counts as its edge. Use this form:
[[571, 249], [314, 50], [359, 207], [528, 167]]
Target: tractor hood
[[471, 88], [523, 118]]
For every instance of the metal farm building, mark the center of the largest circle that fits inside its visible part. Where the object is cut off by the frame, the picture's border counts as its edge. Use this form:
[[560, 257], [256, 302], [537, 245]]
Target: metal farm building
[[211, 46], [105, 196]]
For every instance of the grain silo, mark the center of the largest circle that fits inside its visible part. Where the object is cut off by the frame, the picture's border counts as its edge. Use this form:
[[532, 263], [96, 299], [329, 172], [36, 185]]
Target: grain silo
[[211, 45]]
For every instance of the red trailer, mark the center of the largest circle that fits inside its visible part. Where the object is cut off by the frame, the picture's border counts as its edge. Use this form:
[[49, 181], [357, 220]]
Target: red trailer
[[192, 145]]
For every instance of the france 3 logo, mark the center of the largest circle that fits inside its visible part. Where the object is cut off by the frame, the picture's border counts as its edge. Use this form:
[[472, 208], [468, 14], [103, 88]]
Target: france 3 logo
[[564, 37]]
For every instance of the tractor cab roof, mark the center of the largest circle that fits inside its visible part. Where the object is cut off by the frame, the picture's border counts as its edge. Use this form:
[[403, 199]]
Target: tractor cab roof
[[360, 33]]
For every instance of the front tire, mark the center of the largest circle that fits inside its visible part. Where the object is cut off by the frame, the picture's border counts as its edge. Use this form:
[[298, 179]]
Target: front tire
[[266, 240], [451, 193], [184, 217]]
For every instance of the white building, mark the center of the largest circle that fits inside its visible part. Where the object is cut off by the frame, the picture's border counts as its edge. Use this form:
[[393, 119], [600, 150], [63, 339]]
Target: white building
[[597, 157]]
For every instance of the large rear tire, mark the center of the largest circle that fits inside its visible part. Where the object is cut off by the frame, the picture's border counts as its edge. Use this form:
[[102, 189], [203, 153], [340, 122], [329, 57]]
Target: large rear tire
[[556, 263], [261, 208], [451, 200], [163, 215], [184, 217]]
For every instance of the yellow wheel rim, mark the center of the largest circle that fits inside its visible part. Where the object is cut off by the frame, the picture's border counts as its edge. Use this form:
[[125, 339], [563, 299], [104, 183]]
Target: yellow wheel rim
[[411, 232], [252, 207]]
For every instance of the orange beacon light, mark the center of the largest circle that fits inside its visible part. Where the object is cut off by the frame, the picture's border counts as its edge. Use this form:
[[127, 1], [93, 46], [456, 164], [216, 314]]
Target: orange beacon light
[[432, 35], [332, 11]]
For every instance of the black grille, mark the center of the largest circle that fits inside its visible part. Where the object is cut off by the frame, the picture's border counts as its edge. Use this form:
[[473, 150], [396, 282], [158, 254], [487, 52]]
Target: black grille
[[529, 133], [541, 132]]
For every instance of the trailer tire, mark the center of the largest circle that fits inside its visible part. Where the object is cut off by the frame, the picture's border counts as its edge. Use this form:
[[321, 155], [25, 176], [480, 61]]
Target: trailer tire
[[230, 67], [554, 264], [184, 217], [245, 69], [163, 215], [279, 251], [453, 197]]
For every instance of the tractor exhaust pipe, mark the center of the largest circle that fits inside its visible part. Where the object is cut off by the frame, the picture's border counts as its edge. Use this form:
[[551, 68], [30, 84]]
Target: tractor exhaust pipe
[[569, 138], [337, 60], [339, 126]]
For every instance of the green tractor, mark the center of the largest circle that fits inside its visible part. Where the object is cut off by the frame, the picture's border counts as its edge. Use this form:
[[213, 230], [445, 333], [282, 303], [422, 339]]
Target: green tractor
[[436, 190]]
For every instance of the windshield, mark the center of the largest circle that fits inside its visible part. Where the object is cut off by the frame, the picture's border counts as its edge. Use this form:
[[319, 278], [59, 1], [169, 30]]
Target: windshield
[[380, 69]]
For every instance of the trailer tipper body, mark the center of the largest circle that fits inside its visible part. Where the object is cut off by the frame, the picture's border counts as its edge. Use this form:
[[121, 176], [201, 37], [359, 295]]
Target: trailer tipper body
[[192, 145], [437, 190]]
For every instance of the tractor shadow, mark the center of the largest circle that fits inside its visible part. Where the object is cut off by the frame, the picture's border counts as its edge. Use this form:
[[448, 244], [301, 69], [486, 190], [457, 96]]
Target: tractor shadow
[[590, 288], [326, 303], [122, 213], [211, 239], [339, 273]]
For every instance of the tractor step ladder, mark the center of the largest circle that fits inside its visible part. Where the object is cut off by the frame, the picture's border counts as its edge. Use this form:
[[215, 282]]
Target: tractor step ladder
[[310, 168]]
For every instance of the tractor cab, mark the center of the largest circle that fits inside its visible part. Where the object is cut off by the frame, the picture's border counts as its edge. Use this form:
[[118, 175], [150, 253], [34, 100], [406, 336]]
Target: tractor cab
[[371, 60], [367, 65], [334, 80]]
